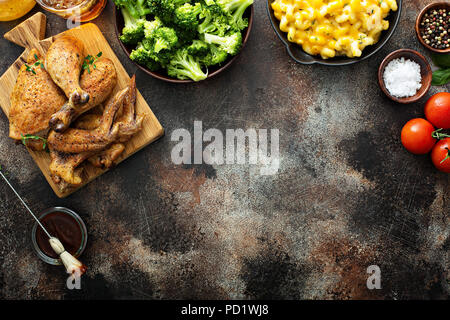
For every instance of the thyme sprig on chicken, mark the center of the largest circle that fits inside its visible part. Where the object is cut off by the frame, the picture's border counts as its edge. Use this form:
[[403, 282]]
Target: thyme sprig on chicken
[[37, 63], [90, 61], [27, 137]]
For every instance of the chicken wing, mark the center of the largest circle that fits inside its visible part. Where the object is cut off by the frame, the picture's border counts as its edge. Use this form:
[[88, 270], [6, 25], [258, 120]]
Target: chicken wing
[[64, 167], [88, 121], [35, 97], [76, 140], [129, 124], [106, 158], [63, 62], [98, 83], [97, 138]]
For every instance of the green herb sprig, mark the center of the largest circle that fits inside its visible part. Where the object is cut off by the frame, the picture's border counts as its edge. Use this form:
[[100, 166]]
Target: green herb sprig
[[37, 63], [27, 137], [90, 61], [442, 75], [437, 134], [30, 69]]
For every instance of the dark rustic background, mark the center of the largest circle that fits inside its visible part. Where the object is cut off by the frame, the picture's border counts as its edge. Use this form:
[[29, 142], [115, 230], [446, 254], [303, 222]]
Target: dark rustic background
[[347, 194]]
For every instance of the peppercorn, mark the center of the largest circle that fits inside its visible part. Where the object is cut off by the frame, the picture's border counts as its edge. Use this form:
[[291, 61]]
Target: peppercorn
[[434, 28]]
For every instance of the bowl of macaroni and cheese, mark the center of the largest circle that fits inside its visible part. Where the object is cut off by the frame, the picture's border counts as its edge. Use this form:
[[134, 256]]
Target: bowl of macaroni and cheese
[[334, 32]]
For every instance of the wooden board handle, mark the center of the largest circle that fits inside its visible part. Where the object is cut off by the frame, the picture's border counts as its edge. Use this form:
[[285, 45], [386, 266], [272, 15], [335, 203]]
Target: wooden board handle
[[28, 33]]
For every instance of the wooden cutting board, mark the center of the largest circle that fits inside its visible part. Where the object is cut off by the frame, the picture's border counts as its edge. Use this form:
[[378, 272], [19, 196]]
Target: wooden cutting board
[[30, 34]]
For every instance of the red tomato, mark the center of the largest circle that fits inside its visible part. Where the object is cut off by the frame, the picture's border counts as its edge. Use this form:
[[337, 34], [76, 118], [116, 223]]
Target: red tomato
[[437, 110], [416, 136], [441, 155]]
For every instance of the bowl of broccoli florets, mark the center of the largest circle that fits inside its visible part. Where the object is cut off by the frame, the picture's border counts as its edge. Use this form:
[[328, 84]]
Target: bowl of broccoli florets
[[183, 40]]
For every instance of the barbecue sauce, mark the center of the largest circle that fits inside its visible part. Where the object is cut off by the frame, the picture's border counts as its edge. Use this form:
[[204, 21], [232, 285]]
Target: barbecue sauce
[[62, 226]]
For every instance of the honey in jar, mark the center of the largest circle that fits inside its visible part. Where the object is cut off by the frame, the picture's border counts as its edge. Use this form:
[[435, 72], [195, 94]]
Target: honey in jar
[[14, 9], [81, 10]]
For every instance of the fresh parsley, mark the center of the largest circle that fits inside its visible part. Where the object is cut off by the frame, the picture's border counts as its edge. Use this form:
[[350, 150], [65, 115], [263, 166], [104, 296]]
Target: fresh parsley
[[90, 61], [27, 137], [36, 64], [30, 69]]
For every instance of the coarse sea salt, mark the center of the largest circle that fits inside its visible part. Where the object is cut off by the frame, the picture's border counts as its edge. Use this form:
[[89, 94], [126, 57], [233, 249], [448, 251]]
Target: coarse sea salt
[[402, 78]]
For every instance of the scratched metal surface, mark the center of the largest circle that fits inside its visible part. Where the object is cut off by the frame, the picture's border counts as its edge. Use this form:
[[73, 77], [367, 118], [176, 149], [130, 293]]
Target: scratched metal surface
[[346, 196]]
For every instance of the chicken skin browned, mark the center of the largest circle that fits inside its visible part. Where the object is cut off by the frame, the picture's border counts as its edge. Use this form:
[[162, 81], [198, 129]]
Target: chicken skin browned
[[75, 140], [63, 62], [35, 97], [97, 138], [69, 149], [127, 119], [88, 121], [64, 168], [98, 83], [106, 158], [129, 124]]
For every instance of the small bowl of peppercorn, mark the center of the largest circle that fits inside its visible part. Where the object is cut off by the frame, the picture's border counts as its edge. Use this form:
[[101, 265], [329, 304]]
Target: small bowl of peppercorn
[[433, 27]]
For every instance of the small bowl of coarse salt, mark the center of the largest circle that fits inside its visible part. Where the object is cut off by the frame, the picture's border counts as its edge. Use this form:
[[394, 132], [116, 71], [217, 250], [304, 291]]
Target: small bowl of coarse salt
[[405, 76]]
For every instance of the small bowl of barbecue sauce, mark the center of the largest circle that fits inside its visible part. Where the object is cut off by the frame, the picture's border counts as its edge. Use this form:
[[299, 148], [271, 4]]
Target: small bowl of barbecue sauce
[[63, 224]]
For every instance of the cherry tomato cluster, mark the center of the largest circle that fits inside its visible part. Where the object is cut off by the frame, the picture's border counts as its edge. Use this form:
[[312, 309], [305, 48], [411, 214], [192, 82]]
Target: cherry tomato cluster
[[420, 136]]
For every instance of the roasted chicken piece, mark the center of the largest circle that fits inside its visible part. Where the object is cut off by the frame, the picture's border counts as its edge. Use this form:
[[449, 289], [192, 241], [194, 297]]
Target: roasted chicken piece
[[75, 140], [35, 97], [69, 149], [65, 162], [129, 124], [98, 83], [106, 158], [63, 62], [88, 121], [64, 168], [127, 119]]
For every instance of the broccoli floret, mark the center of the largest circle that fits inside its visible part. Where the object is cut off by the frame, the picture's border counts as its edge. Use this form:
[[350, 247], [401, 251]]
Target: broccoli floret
[[136, 8], [186, 16], [230, 6], [159, 40], [164, 38], [143, 56], [185, 66], [209, 2], [162, 57], [214, 56], [237, 18], [151, 26], [164, 9], [215, 22], [133, 31], [231, 43], [160, 43], [235, 9], [198, 48], [185, 35]]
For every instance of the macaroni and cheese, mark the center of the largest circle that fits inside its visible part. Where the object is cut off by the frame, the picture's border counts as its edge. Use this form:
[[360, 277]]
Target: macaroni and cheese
[[333, 27]]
